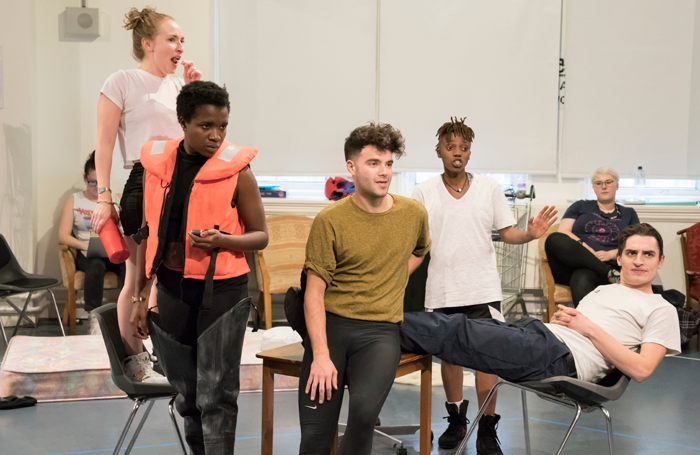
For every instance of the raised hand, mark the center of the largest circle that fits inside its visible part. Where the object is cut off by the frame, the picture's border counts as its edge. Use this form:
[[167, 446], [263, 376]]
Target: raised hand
[[537, 226]]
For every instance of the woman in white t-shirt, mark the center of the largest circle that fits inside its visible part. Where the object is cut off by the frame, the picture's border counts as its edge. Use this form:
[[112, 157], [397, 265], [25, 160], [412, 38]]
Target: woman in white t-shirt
[[137, 106], [74, 231]]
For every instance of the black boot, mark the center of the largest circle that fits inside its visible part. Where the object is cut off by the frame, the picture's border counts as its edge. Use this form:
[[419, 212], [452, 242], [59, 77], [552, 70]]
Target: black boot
[[218, 377], [179, 361], [457, 429], [487, 442]]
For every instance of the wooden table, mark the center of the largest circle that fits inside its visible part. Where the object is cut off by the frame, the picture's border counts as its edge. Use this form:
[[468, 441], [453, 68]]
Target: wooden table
[[286, 360]]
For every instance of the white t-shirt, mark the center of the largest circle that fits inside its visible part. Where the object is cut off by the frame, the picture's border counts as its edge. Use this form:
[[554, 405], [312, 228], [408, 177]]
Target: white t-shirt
[[462, 269], [82, 213], [632, 317], [148, 109]]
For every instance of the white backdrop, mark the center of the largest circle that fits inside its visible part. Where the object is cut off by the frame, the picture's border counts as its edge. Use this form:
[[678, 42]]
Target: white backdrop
[[633, 83], [303, 74], [494, 62]]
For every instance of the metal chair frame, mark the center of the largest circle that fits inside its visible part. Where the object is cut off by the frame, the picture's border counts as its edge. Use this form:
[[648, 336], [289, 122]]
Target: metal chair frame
[[138, 401], [10, 272], [140, 393], [562, 399]]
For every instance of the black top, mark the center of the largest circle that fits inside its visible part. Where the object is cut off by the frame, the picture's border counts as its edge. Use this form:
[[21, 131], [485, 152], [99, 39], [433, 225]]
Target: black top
[[187, 167], [598, 229]]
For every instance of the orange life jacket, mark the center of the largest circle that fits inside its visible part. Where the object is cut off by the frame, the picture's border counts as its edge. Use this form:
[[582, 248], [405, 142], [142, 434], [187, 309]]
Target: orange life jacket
[[207, 206]]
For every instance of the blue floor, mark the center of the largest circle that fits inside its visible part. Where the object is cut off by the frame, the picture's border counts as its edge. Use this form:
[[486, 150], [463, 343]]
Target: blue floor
[[657, 417]]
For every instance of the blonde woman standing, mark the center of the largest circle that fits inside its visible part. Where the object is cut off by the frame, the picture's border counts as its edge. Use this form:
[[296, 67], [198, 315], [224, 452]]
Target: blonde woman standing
[[137, 106]]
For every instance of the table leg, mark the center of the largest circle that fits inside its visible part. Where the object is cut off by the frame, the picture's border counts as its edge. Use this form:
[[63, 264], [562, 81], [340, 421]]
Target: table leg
[[334, 449], [268, 409], [426, 388]]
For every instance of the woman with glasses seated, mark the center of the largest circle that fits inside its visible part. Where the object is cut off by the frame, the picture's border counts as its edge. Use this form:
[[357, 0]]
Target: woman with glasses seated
[[74, 231], [583, 254]]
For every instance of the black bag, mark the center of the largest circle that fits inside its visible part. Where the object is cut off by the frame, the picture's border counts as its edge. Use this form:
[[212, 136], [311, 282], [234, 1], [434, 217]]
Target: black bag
[[294, 307]]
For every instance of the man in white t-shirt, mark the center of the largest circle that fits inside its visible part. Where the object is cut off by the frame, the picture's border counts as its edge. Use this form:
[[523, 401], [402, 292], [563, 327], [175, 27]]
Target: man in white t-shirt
[[463, 210], [623, 326]]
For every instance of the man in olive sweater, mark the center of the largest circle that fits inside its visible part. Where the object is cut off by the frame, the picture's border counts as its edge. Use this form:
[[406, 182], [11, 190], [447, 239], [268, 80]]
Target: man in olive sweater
[[359, 255]]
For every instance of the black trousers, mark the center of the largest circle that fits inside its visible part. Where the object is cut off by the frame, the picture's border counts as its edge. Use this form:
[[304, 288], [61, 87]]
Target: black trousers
[[95, 270], [201, 355], [574, 266], [366, 355]]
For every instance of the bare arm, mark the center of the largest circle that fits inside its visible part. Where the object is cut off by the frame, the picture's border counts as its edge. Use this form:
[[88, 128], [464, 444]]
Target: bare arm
[[323, 373], [566, 227], [65, 227], [142, 287], [637, 366], [250, 209], [414, 262], [536, 228], [108, 116]]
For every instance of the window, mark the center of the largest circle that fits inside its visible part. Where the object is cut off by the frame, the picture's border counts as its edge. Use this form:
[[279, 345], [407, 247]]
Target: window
[[508, 182], [308, 188], [654, 190]]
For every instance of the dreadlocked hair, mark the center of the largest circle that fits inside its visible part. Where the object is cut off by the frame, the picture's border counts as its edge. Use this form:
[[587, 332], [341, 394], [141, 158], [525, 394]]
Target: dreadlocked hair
[[457, 127], [198, 93], [381, 135]]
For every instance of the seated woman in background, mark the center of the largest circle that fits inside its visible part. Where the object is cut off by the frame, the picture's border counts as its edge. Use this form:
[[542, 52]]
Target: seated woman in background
[[74, 231], [583, 254]]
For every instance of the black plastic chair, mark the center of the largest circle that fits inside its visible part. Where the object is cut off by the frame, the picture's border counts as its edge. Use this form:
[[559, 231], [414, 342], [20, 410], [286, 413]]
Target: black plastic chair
[[563, 390], [14, 280], [138, 392]]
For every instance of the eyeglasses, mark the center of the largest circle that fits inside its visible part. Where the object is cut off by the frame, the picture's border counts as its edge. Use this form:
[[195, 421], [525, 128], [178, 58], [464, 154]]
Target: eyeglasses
[[605, 183], [92, 182]]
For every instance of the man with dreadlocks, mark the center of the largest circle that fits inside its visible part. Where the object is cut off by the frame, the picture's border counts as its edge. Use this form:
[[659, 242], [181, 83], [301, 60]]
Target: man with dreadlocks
[[463, 210]]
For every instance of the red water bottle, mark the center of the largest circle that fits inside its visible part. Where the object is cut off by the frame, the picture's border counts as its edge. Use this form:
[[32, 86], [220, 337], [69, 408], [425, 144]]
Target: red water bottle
[[113, 241]]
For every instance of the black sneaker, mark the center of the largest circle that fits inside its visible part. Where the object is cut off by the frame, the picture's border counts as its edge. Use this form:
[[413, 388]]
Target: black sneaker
[[487, 442], [457, 429]]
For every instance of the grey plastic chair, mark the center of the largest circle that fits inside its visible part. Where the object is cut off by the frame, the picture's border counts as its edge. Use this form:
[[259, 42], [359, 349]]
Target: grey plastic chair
[[14, 280], [138, 392], [563, 390]]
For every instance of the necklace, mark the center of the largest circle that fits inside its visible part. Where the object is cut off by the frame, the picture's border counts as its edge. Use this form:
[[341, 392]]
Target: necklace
[[458, 190]]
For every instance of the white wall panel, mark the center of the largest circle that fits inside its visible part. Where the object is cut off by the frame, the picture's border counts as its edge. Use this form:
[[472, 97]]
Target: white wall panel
[[495, 62]]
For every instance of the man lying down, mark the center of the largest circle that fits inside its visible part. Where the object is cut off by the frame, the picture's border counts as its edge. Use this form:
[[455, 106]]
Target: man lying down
[[623, 326]]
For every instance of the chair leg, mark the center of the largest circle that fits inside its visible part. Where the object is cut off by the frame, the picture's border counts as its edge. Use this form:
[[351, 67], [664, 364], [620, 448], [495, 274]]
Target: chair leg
[[134, 410], [21, 314], [138, 429], [58, 315], [463, 445], [268, 310], [4, 335], [177, 428], [571, 428], [526, 422], [608, 424]]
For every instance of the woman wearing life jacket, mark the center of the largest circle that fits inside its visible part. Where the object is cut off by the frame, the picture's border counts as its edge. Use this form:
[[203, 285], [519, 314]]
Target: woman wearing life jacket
[[136, 106], [202, 211]]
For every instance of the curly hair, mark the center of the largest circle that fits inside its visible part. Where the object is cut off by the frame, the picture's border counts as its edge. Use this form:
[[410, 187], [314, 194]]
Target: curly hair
[[198, 93], [381, 135], [457, 127], [144, 24], [641, 229]]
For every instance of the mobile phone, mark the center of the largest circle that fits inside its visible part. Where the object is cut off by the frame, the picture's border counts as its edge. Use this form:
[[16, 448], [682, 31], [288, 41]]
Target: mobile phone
[[197, 232]]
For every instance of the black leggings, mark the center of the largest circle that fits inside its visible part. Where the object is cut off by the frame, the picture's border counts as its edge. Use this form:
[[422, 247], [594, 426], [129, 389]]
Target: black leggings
[[366, 355], [574, 266], [95, 269]]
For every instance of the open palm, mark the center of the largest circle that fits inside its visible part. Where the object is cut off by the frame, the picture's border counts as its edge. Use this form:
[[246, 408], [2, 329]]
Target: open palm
[[538, 225]]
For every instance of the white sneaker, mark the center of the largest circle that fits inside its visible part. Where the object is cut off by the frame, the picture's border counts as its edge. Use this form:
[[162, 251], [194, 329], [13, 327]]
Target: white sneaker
[[94, 325], [140, 369]]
